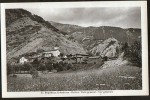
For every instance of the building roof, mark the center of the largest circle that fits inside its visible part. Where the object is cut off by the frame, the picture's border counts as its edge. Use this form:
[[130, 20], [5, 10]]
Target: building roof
[[83, 54], [54, 50], [79, 57], [94, 57], [23, 57], [47, 52]]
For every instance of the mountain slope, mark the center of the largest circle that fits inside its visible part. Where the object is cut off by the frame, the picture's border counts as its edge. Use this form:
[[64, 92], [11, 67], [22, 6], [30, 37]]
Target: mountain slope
[[26, 33], [92, 36], [65, 27]]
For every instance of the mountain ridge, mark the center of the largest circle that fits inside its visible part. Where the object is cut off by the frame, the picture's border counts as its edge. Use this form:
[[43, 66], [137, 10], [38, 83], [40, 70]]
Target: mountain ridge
[[104, 32], [27, 32]]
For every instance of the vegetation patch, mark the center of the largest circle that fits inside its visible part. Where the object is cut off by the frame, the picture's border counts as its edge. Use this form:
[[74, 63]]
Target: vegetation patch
[[95, 79]]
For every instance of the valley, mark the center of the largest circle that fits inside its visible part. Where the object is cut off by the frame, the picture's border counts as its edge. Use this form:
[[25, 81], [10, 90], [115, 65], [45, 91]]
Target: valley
[[50, 56]]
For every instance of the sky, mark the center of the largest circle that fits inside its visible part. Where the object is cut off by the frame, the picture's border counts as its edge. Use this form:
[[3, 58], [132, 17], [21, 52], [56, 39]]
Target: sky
[[125, 17]]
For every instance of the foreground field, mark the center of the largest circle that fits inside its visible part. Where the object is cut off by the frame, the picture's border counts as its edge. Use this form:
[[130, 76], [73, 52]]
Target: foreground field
[[123, 77]]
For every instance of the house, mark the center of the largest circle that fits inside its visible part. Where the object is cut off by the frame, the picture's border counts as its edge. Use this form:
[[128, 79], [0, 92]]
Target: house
[[23, 60], [55, 53], [81, 58], [31, 59], [56, 48], [95, 59], [32, 56], [71, 60], [51, 53], [47, 54], [44, 60]]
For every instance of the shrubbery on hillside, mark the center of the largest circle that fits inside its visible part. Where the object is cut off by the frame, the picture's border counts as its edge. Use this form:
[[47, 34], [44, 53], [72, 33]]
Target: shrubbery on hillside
[[14, 14], [133, 53], [136, 53]]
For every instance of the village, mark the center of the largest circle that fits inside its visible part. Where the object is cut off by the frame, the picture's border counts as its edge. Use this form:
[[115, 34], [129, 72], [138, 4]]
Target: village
[[55, 53], [92, 52], [53, 61]]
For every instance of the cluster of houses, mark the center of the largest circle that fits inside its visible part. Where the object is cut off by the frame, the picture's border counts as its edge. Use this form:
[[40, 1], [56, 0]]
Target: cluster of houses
[[30, 57], [55, 53]]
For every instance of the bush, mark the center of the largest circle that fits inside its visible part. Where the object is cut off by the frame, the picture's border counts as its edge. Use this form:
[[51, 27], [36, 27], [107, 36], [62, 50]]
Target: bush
[[35, 63], [72, 67], [49, 66], [62, 66], [105, 58]]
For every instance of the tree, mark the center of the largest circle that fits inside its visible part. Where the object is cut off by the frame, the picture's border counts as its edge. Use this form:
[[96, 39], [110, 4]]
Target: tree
[[61, 54], [61, 66], [97, 54], [42, 67], [135, 53], [49, 65], [117, 51], [9, 69], [125, 48], [105, 58], [35, 63], [27, 66]]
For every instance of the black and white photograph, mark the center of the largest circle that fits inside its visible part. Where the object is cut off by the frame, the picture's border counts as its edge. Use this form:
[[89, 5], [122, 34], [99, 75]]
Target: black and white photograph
[[74, 49]]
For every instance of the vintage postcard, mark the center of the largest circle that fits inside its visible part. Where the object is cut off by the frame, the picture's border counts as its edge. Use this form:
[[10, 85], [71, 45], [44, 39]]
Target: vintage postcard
[[69, 49]]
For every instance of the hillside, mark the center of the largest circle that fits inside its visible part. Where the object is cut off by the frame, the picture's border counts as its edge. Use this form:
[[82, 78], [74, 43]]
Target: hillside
[[92, 36], [27, 32]]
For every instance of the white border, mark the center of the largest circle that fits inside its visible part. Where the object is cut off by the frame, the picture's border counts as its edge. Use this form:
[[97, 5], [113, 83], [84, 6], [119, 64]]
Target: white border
[[142, 4]]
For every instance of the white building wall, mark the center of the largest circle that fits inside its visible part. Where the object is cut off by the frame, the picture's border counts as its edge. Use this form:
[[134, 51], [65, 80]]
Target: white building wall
[[55, 53], [23, 60], [48, 55], [56, 48]]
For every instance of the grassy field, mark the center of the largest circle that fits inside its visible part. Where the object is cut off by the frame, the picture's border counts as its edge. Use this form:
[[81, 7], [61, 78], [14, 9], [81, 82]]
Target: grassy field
[[117, 78]]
